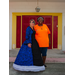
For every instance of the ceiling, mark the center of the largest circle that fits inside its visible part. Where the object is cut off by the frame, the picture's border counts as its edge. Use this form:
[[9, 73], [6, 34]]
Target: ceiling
[[36, 0]]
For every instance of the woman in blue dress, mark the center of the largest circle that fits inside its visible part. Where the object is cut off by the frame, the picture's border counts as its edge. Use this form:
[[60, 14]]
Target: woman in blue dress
[[29, 56]]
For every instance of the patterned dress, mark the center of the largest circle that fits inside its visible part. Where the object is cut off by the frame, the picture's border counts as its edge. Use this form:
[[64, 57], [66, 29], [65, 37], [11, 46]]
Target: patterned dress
[[29, 59]]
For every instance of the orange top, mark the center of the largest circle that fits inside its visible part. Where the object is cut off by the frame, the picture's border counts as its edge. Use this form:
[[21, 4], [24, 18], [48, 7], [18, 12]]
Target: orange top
[[42, 35]]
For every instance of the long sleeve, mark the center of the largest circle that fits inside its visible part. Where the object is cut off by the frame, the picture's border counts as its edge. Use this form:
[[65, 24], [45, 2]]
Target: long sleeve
[[28, 36]]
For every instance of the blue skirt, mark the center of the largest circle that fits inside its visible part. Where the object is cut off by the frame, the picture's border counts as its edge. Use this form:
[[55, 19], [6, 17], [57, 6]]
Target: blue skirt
[[24, 56]]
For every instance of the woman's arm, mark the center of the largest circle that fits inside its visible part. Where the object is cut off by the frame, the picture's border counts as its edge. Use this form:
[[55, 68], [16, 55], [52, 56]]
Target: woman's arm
[[27, 33], [49, 35], [49, 39], [28, 41]]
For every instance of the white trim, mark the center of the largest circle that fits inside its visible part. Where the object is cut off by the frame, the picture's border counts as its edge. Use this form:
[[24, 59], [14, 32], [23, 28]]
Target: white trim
[[29, 68]]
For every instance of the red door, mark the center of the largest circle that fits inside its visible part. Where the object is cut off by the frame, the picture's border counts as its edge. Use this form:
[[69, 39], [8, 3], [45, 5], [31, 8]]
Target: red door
[[25, 24], [55, 32], [18, 32]]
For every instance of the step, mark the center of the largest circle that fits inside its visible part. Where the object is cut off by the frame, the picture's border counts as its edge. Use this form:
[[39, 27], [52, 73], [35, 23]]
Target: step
[[50, 53]]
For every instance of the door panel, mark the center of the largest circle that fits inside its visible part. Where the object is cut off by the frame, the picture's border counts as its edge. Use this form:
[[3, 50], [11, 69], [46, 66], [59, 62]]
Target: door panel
[[18, 32], [25, 24], [55, 32]]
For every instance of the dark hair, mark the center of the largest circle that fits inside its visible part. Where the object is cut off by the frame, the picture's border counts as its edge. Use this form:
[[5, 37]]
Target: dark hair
[[32, 20], [39, 18]]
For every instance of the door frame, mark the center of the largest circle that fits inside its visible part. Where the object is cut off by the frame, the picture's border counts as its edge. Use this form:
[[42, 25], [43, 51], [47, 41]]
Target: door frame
[[14, 14]]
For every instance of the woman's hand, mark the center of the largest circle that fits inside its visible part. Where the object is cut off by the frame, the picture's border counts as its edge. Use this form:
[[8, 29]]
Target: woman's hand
[[29, 45]]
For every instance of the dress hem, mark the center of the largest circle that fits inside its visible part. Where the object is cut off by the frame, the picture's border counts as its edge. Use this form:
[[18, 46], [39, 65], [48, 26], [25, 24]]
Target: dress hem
[[28, 68]]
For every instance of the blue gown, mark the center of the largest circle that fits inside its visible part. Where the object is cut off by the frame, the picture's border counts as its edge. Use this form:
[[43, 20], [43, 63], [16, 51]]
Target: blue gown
[[27, 58]]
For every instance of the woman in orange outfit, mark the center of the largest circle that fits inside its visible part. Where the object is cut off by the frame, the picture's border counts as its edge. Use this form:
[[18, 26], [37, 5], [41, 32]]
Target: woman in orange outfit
[[43, 37]]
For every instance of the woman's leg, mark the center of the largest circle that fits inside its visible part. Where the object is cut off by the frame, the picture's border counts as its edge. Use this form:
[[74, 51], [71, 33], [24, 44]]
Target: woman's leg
[[44, 58], [44, 53]]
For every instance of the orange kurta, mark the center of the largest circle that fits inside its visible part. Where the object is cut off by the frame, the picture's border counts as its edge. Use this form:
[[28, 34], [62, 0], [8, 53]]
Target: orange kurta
[[42, 35]]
